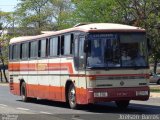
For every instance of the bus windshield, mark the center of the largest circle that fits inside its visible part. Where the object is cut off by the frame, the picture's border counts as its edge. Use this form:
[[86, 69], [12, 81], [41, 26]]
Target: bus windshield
[[117, 50]]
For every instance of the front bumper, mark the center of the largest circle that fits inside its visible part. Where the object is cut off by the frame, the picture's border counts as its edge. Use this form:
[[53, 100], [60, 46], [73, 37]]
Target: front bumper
[[96, 95]]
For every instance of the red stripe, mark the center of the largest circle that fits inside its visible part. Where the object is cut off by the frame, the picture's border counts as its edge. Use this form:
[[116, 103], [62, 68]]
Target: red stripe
[[110, 75]]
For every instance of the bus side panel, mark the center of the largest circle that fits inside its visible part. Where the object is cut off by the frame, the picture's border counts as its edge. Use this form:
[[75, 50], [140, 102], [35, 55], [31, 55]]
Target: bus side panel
[[81, 96], [54, 79], [32, 84], [43, 82], [24, 72], [81, 92], [11, 83], [15, 68], [66, 70]]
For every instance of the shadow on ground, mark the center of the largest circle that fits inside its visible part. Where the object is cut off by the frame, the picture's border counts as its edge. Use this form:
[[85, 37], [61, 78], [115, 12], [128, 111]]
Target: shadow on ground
[[109, 107]]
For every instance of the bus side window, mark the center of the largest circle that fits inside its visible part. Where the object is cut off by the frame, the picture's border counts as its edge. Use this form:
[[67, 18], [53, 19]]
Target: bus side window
[[16, 52], [39, 48], [67, 40], [59, 45], [33, 49], [72, 44], [53, 46], [42, 48], [68, 44], [62, 45], [76, 52], [81, 52], [24, 51], [10, 52], [47, 47], [13, 52]]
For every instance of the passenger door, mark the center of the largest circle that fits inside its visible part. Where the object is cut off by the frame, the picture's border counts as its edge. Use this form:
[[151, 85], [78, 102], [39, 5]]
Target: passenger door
[[80, 62]]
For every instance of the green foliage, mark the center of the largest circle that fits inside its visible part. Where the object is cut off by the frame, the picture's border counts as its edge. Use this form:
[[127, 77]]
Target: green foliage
[[61, 13], [94, 11], [5, 18], [32, 13], [4, 45], [43, 14]]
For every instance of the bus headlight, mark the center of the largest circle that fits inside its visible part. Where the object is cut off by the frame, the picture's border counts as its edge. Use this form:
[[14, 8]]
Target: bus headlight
[[141, 93], [100, 94]]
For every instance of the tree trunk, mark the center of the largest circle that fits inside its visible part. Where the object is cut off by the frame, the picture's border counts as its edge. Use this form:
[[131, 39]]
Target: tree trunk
[[4, 71], [1, 75], [5, 76], [155, 65], [3, 67]]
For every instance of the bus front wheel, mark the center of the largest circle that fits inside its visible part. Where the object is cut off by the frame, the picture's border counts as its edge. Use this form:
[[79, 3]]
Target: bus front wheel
[[72, 97], [122, 104], [24, 92]]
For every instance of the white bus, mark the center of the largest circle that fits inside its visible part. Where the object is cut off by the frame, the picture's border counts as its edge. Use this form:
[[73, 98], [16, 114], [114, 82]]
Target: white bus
[[86, 64]]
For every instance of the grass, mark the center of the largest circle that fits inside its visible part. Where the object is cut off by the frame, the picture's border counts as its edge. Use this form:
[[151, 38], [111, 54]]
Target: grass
[[155, 89]]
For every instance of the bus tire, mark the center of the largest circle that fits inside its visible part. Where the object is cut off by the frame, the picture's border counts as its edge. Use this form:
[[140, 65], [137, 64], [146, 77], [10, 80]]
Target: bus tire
[[122, 104], [72, 97], [24, 92]]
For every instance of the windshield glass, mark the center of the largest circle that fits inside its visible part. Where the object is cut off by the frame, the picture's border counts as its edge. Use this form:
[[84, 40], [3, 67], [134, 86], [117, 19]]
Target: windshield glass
[[117, 50]]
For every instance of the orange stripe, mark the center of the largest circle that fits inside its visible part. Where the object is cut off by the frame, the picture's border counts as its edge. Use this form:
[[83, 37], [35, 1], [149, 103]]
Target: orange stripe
[[40, 67]]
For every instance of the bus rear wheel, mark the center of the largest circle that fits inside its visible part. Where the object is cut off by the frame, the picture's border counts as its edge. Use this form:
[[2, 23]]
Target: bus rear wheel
[[72, 97], [24, 92], [122, 104]]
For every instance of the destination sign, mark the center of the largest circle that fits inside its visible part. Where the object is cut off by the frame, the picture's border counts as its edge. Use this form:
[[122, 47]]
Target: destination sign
[[108, 36]]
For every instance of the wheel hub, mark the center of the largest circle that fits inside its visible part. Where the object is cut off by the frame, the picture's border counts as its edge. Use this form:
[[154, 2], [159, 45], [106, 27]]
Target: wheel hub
[[72, 96]]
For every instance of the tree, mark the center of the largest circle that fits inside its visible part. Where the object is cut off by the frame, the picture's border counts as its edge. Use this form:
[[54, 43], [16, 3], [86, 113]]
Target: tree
[[61, 13], [4, 44], [94, 11], [32, 13], [43, 14], [6, 19]]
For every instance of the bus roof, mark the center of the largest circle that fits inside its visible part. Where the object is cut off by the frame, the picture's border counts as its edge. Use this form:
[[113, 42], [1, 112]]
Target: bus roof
[[92, 27]]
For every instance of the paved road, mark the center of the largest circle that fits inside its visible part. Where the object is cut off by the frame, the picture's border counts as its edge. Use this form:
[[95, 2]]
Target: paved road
[[43, 109]]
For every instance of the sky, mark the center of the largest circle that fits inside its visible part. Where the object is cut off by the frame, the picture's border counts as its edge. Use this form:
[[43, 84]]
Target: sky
[[8, 5]]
